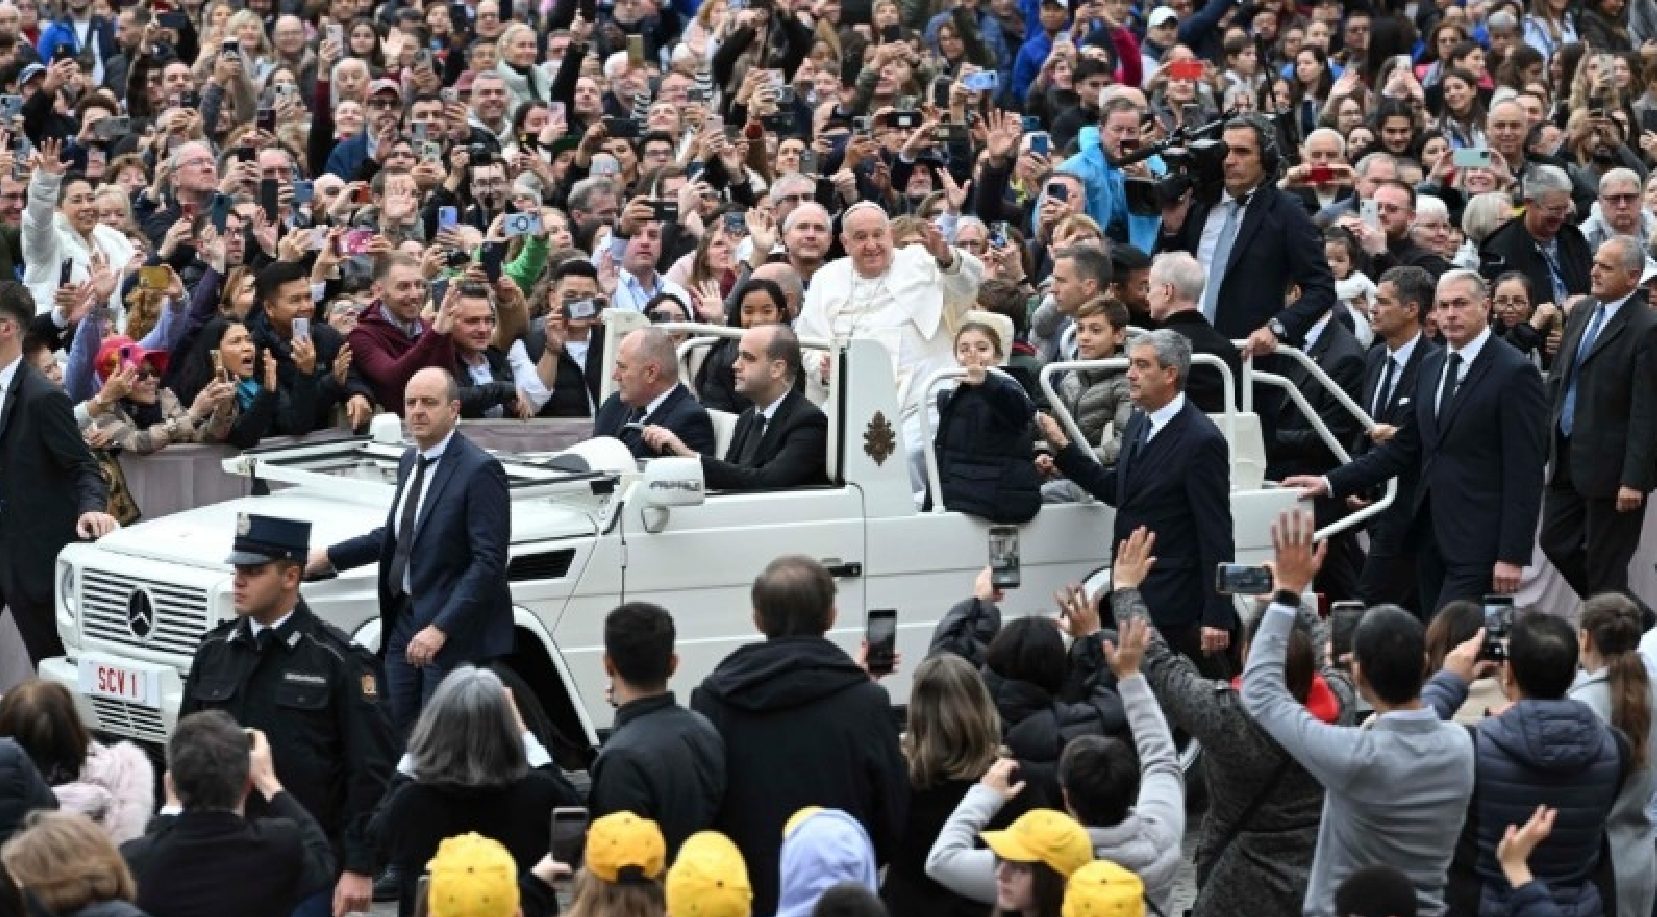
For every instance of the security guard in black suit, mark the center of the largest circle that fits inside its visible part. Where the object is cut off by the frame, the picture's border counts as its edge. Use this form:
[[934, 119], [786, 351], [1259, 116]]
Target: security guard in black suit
[[315, 694]]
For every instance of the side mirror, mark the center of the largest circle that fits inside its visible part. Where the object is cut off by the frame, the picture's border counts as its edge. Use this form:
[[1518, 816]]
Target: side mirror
[[670, 482]]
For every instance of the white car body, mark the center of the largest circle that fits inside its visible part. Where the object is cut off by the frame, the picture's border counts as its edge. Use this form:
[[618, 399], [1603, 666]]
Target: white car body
[[582, 544]]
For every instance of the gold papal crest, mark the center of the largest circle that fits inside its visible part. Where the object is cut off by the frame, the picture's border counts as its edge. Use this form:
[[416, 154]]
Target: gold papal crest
[[879, 441], [244, 524], [370, 690]]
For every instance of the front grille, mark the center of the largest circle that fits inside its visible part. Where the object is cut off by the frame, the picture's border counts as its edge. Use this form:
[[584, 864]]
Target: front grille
[[179, 612], [128, 720]]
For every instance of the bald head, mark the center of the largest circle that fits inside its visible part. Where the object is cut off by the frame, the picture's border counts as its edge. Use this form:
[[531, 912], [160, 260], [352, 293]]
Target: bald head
[[783, 275], [431, 406], [647, 365]]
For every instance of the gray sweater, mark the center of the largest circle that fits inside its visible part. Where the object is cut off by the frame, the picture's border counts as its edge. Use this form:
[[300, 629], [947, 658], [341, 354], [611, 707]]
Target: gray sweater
[[1147, 842], [1396, 790]]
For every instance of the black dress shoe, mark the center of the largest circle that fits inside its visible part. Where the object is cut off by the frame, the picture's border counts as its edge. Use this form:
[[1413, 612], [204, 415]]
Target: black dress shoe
[[389, 884]]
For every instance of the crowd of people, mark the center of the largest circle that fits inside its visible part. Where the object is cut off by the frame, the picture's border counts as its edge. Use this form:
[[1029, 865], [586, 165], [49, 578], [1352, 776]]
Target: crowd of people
[[225, 223]]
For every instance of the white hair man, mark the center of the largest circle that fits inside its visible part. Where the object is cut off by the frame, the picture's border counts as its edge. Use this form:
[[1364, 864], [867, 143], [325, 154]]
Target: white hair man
[[909, 300], [1619, 211]]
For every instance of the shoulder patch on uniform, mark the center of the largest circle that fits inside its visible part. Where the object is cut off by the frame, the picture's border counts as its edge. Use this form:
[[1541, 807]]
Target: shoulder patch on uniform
[[370, 688]]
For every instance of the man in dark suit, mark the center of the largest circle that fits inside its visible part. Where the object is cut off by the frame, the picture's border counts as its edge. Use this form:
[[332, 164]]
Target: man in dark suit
[[1602, 426], [781, 439], [201, 855], [1254, 242], [51, 491], [648, 393], [1172, 477], [1175, 288], [1391, 368], [1296, 447], [1476, 435], [444, 599], [1541, 243]]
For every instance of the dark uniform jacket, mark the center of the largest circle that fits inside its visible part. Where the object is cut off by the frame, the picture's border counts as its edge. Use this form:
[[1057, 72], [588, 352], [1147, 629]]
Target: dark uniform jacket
[[663, 762], [317, 698]]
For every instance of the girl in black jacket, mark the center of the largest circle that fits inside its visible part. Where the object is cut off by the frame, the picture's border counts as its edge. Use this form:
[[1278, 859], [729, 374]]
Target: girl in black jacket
[[986, 436]]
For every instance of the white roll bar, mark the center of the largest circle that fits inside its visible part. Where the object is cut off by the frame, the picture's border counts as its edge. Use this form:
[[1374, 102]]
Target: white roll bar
[[934, 480]]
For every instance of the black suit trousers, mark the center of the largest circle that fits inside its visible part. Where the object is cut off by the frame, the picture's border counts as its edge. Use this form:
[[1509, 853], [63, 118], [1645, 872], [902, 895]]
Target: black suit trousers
[[1441, 583], [1585, 537], [36, 624]]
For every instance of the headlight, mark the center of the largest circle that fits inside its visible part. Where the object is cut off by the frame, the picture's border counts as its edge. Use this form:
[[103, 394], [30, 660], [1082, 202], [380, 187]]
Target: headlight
[[66, 587]]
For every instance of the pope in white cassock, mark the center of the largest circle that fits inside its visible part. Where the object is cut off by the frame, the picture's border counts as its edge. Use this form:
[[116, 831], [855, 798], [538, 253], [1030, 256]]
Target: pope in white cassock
[[911, 300]]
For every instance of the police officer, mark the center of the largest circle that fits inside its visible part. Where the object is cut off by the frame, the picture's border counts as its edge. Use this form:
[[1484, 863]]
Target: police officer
[[281, 669]]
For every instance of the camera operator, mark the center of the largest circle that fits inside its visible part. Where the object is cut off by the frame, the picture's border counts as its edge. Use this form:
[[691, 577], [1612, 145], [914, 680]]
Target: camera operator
[[1252, 239]]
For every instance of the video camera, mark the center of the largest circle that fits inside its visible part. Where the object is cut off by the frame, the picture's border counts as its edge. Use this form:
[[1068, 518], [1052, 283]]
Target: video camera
[[1195, 158]]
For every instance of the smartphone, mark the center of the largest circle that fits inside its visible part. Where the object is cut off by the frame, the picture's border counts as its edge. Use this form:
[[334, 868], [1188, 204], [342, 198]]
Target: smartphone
[[1041, 143], [881, 635], [1000, 232], [1032, 124], [1498, 621], [355, 241], [422, 890], [808, 162], [230, 46], [447, 218], [218, 364], [785, 96], [1059, 191], [126, 360], [557, 114], [1648, 119], [635, 50], [1190, 114], [301, 328], [65, 271], [246, 154], [940, 92], [1471, 158], [335, 33], [10, 106], [1003, 542], [491, 255], [1185, 70], [521, 224], [432, 151], [265, 120], [891, 33], [304, 192], [1370, 211], [580, 308], [423, 60], [860, 125], [1343, 621], [1320, 175], [625, 128], [906, 120], [664, 211], [285, 90], [982, 81], [363, 195], [112, 127], [189, 98], [319, 238], [1242, 579], [569, 832], [269, 198], [153, 278], [62, 52]]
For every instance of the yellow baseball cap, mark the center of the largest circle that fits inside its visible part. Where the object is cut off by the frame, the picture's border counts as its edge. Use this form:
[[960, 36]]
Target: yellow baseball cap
[[622, 846], [472, 876], [1043, 836], [1104, 889], [709, 879]]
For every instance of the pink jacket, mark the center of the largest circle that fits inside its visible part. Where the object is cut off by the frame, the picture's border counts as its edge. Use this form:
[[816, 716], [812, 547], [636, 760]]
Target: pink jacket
[[116, 789]]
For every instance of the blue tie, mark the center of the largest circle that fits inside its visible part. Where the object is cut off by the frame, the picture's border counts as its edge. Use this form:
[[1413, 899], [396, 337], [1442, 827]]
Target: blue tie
[[1222, 255], [1555, 273], [1567, 414]]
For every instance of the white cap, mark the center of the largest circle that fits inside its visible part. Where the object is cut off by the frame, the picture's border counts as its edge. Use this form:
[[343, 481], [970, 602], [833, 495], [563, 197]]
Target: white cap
[[1160, 15]]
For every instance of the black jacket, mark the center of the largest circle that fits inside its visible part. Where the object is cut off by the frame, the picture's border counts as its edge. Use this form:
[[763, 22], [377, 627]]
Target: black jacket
[[1295, 447], [803, 725], [415, 817], [663, 762], [791, 453], [1206, 388], [1512, 248], [1387, 531], [575, 386], [306, 404], [208, 863], [317, 697], [477, 399], [678, 412], [986, 445], [21, 789]]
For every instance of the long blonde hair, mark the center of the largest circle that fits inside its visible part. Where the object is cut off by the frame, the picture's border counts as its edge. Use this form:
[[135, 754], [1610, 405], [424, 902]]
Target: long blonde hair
[[954, 729], [66, 861]]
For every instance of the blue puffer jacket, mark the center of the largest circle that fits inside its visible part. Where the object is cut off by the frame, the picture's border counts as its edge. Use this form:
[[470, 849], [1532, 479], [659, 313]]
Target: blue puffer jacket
[[1556, 753]]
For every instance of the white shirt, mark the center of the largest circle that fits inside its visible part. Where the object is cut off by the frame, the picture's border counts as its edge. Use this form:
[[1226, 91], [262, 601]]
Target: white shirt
[[1160, 417], [432, 457], [255, 628], [7, 374], [656, 402], [1468, 355], [481, 374], [1399, 359], [1314, 332], [1210, 238]]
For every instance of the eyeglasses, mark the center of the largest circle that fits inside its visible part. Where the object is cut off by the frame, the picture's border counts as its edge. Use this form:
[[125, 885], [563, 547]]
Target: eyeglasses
[[800, 198], [1620, 198]]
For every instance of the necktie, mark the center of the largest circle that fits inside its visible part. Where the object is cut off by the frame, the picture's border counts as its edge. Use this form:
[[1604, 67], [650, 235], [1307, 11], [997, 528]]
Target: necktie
[[1382, 390], [263, 642], [1217, 264], [1549, 255], [750, 443], [405, 524], [1452, 379], [1567, 413]]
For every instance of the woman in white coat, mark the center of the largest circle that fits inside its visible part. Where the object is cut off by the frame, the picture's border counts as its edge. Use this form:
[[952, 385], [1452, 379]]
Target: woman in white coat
[[1614, 682], [61, 232]]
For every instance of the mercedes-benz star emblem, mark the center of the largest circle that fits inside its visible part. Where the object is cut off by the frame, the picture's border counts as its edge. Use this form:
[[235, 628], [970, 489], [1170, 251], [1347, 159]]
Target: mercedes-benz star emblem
[[140, 614]]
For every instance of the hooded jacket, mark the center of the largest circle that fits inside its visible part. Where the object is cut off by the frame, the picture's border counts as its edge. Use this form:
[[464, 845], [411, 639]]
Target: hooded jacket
[[388, 357], [803, 725], [826, 849]]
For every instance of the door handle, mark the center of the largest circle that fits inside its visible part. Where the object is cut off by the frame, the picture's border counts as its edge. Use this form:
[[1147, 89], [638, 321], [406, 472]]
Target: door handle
[[840, 570]]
